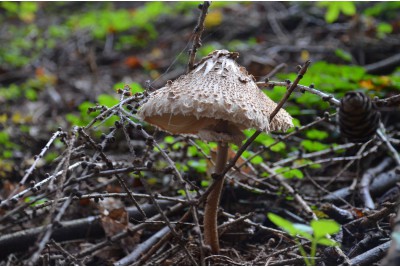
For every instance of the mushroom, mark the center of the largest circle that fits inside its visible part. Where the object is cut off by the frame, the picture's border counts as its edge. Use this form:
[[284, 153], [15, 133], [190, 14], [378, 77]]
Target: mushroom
[[215, 101]]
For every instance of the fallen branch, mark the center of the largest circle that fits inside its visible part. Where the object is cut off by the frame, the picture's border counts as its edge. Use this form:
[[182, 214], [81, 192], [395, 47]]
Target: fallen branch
[[142, 247], [381, 183], [89, 227], [371, 256], [366, 179]]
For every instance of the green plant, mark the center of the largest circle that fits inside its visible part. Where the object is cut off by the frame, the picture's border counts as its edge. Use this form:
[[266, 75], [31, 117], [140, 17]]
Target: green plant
[[336, 80], [335, 8], [25, 11], [317, 233], [388, 9], [383, 29]]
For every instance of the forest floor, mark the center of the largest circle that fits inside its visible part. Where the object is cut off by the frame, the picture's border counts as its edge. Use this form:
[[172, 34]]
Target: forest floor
[[84, 182]]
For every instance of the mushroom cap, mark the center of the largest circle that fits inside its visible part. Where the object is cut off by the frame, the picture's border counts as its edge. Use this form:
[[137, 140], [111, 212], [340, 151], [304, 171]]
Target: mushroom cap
[[215, 101]]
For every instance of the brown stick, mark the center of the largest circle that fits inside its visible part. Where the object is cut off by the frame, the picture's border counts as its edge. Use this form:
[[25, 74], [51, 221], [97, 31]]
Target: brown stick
[[198, 31], [211, 206]]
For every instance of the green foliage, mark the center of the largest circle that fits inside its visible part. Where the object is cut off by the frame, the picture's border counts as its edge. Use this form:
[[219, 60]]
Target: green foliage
[[389, 9], [104, 100], [335, 8], [135, 87], [316, 233], [289, 173], [6, 147], [343, 55], [50, 156], [84, 118], [169, 139], [383, 29], [266, 140], [316, 134], [200, 165], [35, 202], [275, 94], [4, 138], [111, 20], [256, 160], [204, 50], [312, 146], [336, 80], [205, 183], [107, 100], [23, 10]]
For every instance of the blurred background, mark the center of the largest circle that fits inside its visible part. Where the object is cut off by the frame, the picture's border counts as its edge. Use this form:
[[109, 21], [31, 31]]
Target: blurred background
[[59, 58]]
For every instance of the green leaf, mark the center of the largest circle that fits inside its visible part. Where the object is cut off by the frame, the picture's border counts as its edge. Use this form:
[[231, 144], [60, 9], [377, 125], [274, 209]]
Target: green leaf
[[332, 13], [304, 230], [282, 223], [290, 173], [7, 154], [204, 183], [199, 165], [10, 6], [316, 134], [192, 151], [348, 8], [4, 137], [135, 87], [181, 192], [389, 8], [323, 227], [383, 29], [50, 156], [334, 9], [257, 160], [37, 202], [31, 94], [74, 120], [297, 173], [107, 100], [313, 146], [169, 139], [343, 55]]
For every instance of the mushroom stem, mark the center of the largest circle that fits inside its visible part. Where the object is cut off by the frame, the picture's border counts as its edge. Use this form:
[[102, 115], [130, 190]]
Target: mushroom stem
[[211, 207]]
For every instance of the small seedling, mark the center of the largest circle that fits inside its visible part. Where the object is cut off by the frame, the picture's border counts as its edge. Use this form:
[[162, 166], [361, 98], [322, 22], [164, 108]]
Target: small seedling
[[317, 233]]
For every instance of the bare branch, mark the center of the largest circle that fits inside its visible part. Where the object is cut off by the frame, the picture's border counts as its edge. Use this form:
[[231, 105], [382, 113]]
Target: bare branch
[[198, 31]]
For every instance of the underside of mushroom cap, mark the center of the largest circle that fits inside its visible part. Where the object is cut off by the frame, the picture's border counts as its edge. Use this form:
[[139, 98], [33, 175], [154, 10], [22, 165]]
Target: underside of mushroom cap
[[215, 101]]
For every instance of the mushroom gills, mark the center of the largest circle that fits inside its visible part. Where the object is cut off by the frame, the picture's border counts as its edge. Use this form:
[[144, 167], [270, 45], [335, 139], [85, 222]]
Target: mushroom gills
[[208, 129]]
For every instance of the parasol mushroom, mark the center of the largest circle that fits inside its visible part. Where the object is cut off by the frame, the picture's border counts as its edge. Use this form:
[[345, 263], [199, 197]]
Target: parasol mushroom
[[215, 101]]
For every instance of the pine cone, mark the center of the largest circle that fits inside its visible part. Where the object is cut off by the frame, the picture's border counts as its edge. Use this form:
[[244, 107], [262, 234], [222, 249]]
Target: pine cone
[[358, 117]]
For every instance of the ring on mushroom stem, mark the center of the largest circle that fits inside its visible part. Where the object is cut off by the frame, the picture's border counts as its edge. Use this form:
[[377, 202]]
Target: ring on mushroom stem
[[215, 101]]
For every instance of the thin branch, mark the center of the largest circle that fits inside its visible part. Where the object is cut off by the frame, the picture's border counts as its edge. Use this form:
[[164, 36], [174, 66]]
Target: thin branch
[[388, 102], [110, 165], [382, 135], [39, 184], [33, 166], [166, 220], [302, 88], [198, 31], [56, 222], [142, 247]]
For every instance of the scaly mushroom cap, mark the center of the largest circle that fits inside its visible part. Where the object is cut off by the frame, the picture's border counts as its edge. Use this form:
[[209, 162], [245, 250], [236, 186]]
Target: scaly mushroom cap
[[215, 101]]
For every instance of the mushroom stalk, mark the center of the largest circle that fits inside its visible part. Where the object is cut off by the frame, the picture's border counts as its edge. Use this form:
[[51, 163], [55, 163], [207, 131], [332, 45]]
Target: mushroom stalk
[[212, 203]]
